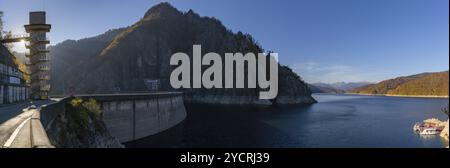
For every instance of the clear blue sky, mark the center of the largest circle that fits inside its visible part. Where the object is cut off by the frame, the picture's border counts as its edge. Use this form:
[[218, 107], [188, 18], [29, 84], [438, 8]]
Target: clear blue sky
[[322, 40]]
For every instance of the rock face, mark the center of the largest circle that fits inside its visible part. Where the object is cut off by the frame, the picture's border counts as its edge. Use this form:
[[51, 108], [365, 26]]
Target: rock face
[[142, 52], [79, 128], [444, 133]]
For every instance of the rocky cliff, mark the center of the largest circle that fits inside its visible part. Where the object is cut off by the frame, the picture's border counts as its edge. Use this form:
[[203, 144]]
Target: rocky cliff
[[142, 52], [80, 126]]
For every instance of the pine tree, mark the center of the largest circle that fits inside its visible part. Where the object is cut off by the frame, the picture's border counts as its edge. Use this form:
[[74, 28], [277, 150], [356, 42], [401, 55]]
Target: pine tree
[[1, 23]]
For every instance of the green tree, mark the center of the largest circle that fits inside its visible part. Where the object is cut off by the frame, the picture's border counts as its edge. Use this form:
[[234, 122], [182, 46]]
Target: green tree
[[1, 23]]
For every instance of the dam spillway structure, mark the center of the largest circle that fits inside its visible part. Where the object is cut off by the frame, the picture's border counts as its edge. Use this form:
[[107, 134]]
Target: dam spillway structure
[[39, 65]]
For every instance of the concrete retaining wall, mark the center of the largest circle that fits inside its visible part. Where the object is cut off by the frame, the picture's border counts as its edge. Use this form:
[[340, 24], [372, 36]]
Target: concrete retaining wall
[[129, 117], [49, 112], [39, 138]]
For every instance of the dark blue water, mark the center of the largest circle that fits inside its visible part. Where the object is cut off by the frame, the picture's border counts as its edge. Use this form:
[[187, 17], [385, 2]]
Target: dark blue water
[[336, 121]]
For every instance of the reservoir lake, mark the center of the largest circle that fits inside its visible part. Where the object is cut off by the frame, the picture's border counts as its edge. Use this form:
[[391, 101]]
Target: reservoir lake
[[336, 121]]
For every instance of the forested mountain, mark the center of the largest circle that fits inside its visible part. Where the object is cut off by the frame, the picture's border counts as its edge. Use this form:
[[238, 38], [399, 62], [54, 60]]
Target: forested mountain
[[123, 60], [425, 84]]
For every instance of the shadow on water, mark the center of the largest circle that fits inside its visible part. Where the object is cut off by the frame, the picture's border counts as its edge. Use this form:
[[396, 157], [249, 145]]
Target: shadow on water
[[224, 126], [336, 121]]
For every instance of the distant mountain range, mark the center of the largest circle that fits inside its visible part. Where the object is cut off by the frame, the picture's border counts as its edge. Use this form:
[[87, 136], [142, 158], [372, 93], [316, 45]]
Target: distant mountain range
[[324, 89], [425, 84], [341, 86]]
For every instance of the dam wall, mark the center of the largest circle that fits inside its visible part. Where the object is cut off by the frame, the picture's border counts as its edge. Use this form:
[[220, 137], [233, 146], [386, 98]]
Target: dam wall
[[127, 117], [132, 117]]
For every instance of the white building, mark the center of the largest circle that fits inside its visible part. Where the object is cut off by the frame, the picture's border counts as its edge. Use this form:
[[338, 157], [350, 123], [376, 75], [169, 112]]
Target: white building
[[13, 87]]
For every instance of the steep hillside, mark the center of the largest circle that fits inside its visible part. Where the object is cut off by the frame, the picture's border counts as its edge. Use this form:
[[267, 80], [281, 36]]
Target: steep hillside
[[69, 57], [434, 84], [425, 84], [142, 52]]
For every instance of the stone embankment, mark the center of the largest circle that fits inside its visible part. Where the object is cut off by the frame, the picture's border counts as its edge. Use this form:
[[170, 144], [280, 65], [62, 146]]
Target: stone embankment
[[444, 133]]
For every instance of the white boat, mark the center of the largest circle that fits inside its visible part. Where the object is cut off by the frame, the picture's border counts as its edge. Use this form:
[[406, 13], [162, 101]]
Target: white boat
[[430, 131], [427, 129]]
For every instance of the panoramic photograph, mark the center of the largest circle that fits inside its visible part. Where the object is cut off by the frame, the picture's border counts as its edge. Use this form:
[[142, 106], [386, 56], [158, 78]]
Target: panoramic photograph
[[185, 74]]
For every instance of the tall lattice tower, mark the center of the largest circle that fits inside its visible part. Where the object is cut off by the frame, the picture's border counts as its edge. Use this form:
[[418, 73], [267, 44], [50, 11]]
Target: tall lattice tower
[[39, 61]]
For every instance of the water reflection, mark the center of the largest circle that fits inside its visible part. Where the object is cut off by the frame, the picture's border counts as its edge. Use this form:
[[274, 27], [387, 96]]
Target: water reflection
[[336, 121]]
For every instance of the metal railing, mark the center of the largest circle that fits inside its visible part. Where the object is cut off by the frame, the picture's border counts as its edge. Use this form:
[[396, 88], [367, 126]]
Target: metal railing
[[29, 44], [45, 88], [15, 36], [37, 51]]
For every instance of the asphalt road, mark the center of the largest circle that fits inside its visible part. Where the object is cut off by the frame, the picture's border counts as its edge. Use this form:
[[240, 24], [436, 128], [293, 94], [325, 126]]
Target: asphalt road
[[12, 115], [9, 111]]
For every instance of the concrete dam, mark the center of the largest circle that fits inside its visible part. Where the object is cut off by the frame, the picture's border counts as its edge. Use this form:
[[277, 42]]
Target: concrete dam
[[125, 117], [132, 117]]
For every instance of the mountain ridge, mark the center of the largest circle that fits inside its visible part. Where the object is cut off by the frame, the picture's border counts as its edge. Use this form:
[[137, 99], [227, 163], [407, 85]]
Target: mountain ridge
[[343, 86], [324, 89], [432, 84], [142, 52]]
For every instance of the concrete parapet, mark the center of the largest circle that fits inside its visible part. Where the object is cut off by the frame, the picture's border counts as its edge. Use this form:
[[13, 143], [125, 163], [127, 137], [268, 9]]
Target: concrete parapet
[[50, 111], [39, 138], [31, 134]]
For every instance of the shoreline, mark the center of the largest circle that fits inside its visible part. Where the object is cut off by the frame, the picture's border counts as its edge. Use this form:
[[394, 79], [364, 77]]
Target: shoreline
[[406, 96]]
